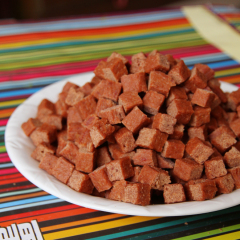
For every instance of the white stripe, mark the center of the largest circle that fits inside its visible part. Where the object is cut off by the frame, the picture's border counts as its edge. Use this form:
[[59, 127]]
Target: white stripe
[[2, 128], [15, 193]]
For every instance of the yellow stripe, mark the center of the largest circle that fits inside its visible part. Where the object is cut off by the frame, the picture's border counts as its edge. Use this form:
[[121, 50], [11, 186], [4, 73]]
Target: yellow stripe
[[209, 25], [92, 37], [13, 102], [96, 227], [227, 72], [228, 236]]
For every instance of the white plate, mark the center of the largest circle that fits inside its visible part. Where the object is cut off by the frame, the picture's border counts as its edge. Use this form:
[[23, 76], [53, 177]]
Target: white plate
[[19, 148]]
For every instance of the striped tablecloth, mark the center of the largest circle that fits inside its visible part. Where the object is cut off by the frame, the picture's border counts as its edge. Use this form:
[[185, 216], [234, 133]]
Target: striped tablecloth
[[36, 54]]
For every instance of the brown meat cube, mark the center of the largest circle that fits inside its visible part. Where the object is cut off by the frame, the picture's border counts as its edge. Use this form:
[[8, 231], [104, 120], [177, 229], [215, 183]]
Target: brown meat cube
[[151, 138], [48, 162], [117, 153], [153, 176], [73, 115], [46, 107], [98, 71], [62, 96], [196, 80], [62, 170], [102, 156], [87, 88], [175, 178], [129, 100], [120, 169], [117, 55], [200, 116], [235, 172], [160, 82], [43, 148], [135, 120], [86, 106], [176, 93], [136, 82], [152, 102], [235, 126], [200, 132], [198, 150], [100, 179], [114, 69], [222, 139], [232, 157], [125, 139], [68, 85], [137, 171], [173, 149], [225, 184], [86, 161], [54, 120], [29, 126], [61, 108], [70, 152], [61, 141], [174, 193], [177, 132], [96, 193], [212, 125], [233, 99], [215, 168], [96, 80], [187, 169], [164, 122], [205, 70], [113, 114], [238, 113], [203, 97], [145, 157], [232, 116], [165, 162], [200, 190], [117, 191], [100, 131], [180, 72], [107, 89], [80, 182], [45, 133], [181, 110], [137, 193], [138, 63], [80, 135], [74, 96], [102, 104], [90, 121], [157, 62], [171, 60]]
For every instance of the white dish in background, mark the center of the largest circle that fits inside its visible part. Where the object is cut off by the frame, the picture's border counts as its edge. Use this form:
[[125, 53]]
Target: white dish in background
[[19, 148]]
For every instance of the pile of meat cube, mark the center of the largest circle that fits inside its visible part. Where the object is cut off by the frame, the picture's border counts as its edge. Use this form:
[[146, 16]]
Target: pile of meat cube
[[142, 128]]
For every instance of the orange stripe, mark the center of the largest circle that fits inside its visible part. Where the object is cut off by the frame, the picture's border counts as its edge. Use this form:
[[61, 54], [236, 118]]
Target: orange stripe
[[17, 197], [230, 79], [6, 112], [87, 32], [15, 180], [81, 222], [50, 216]]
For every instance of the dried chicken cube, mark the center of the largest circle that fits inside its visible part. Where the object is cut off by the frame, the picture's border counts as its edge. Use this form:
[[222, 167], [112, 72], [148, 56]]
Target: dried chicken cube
[[173, 149], [46, 107], [171, 60], [117, 55], [85, 161], [117, 191], [29, 126], [102, 104], [70, 152], [138, 63], [232, 157], [43, 148], [48, 161], [61, 108], [225, 184], [137, 170], [74, 96], [174, 193], [69, 85], [200, 116], [145, 157], [200, 132], [113, 114], [176, 93], [203, 97], [235, 126], [117, 153], [235, 172], [178, 132], [73, 115], [102, 156], [53, 120], [165, 163], [206, 70], [215, 167], [87, 88], [233, 100], [90, 121], [164, 122]]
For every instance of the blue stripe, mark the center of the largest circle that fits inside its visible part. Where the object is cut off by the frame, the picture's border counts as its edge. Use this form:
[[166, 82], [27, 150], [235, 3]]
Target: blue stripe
[[85, 23], [5, 165], [19, 92], [25, 201], [225, 9]]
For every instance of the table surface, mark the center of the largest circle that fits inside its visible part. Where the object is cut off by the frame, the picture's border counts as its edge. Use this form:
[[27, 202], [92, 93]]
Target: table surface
[[36, 54]]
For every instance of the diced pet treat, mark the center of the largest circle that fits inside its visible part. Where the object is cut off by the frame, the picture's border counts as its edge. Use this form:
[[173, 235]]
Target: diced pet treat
[[54, 120], [233, 99], [74, 96], [203, 97], [86, 161], [70, 152], [116, 152], [206, 70], [173, 149], [136, 82], [165, 163], [87, 88], [176, 93], [171, 60], [152, 139], [48, 162], [235, 126], [68, 85], [61, 108], [80, 182], [90, 121], [200, 132], [157, 62], [117, 192], [43, 148], [46, 107], [137, 171], [117, 55], [215, 168], [235, 172], [138, 63], [145, 157], [164, 122], [29, 126], [232, 157], [225, 184], [102, 104], [102, 156], [178, 132], [73, 115], [113, 114], [200, 116], [173, 193]]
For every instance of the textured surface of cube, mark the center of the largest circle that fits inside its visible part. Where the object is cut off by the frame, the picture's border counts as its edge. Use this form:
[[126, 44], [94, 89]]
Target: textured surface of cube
[[74, 96], [174, 193], [80, 182], [145, 157], [61, 108], [137, 171], [215, 167], [157, 62], [68, 85], [198, 150], [120, 169], [29, 126], [173, 149], [200, 116], [233, 99], [62, 170], [164, 122], [43, 148], [70, 152], [136, 82], [178, 132], [232, 157], [48, 162], [181, 110], [187, 169], [46, 107], [102, 156], [176, 93], [87, 88], [205, 70], [73, 115], [165, 163], [200, 132], [113, 114], [53, 120], [138, 63], [86, 161], [116, 152], [203, 97], [44, 134], [180, 72], [235, 172], [117, 191], [102, 104], [135, 120], [225, 184], [90, 121], [235, 126], [152, 139], [117, 55], [100, 179]]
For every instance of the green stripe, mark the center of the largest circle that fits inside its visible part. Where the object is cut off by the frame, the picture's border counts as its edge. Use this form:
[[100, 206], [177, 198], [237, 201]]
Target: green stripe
[[3, 149]]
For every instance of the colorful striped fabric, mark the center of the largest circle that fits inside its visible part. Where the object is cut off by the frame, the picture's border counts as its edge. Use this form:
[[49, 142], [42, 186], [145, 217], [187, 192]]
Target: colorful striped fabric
[[34, 55]]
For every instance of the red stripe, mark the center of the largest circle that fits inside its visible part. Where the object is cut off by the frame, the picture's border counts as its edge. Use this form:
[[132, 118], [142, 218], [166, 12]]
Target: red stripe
[[16, 175], [15, 180], [3, 122], [7, 159], [3, 155], [8, 171], [17, 188]]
